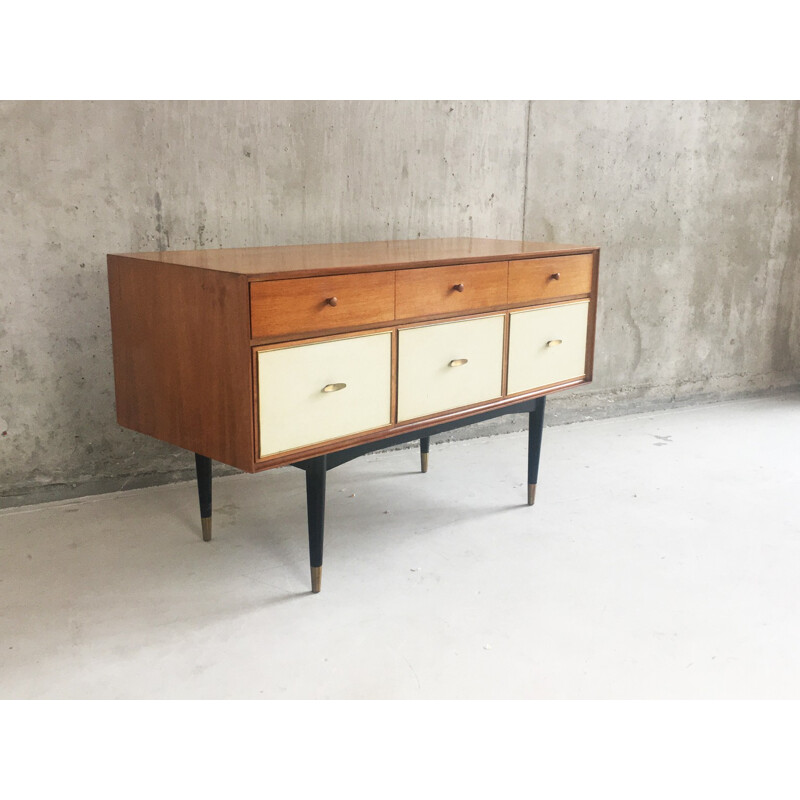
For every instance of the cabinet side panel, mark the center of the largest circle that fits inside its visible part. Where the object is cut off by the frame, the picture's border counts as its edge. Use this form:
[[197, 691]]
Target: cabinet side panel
[[592, 325], [182, 357]]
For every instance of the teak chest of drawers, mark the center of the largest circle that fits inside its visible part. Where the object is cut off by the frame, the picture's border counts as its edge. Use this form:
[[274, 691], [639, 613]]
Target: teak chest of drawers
[[312, 355]]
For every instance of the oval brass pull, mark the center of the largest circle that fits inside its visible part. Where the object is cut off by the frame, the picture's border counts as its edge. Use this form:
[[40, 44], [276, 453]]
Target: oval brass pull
[[459, 287], [556, 276], [458, 362], [554, 342], [334, 387], [332, 301]]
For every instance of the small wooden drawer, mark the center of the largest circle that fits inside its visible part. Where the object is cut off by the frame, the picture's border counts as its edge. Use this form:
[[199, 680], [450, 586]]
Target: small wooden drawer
[[305, 305], [316, 392], [547, 346], [449, 365], [535, 279], [447, 290]]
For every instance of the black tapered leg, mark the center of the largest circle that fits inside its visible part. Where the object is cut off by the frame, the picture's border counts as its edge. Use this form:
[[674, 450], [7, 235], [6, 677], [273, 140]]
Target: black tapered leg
[[535, 425], [203, 466], [424, 448], [315, 501]]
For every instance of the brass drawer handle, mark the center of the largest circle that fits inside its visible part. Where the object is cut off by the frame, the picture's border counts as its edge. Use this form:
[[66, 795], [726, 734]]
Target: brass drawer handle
[[556, 276], [332, 301], [554, 342], [334, 387], [458, 362], [459, 287]]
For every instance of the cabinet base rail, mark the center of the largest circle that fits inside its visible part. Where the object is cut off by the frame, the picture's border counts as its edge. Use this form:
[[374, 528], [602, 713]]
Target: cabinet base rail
[[317, 468]]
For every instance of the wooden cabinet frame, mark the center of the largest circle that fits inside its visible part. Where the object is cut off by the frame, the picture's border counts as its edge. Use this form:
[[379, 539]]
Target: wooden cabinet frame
[[187, 327]]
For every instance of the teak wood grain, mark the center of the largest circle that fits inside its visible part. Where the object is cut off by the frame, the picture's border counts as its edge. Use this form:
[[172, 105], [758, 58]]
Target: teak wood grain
[[592, 323], [506, 337], [181, 349], [451, 290], [535, 279], [302, 305], [274, 263]]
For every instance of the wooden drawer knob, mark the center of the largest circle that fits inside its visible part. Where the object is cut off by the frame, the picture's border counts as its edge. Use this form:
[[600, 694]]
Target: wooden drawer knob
[[332, 301], [555, 276], [459, 287]]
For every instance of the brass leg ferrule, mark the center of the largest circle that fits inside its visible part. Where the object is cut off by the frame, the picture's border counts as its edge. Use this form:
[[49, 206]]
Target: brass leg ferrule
[[423, 460], [206, 523], [316, 579], [531, 493]]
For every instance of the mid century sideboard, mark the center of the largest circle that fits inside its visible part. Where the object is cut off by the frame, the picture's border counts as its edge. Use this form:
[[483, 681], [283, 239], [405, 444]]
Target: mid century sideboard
[[313, 355]]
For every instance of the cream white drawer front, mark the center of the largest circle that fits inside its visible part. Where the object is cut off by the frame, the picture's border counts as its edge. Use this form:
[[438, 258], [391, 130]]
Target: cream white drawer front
[[547, 346], [315, 392], [449, 365]]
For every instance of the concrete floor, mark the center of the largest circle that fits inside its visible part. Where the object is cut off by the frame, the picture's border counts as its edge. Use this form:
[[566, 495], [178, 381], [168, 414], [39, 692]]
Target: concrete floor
[[661, 560]]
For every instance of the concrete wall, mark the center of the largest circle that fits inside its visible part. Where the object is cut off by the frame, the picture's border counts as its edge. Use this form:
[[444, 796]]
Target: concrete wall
[[787, 329], [696, 207]]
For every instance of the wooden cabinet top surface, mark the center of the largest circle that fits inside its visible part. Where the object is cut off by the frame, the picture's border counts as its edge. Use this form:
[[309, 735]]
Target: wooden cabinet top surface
[[289, 261]]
